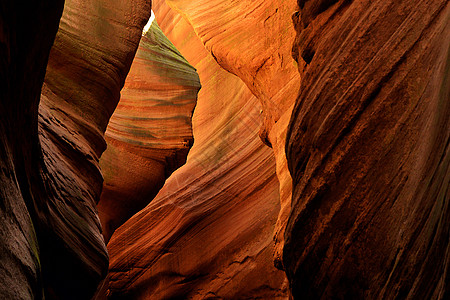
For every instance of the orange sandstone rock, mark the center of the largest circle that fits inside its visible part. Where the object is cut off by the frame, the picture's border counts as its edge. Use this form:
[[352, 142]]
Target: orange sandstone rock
[[253, 40], [150, 132], [208, 233]]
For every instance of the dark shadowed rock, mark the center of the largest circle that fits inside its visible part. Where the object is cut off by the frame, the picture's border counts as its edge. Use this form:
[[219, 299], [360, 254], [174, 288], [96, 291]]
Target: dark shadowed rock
[[27, 32], [367, 148]]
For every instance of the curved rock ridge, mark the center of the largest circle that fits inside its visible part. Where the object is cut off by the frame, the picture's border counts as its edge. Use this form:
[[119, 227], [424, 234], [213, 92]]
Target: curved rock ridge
[[253, 40], [368, 151], [208, 233], [150, 132], [26, 35], [88, 63]]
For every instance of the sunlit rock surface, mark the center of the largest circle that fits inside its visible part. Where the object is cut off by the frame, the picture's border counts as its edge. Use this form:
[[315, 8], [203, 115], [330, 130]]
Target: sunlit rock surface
[[209, 232], [88, 63], [368, 149], [253, 40], [150, 132]]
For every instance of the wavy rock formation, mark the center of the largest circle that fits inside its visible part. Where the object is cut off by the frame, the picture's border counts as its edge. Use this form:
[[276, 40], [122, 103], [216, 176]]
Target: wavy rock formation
[[208, 233], [56, 174], [366, 140], [150, 132], [253, 40], [87, 68], [368, 150]]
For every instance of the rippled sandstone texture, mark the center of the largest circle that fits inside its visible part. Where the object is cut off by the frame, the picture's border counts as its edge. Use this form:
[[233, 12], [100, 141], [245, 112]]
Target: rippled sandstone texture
[[150, 132], [253, 40], [58, 174], [368, 151], [208, 233]]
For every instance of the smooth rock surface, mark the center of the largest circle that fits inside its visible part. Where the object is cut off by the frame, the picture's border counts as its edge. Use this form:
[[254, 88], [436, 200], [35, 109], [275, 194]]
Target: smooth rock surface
[[208, 233], [150, 132], [253, 40], [367, 148]]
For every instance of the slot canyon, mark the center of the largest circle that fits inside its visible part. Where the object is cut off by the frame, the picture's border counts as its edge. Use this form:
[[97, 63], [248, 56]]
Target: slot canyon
[[174, 149]]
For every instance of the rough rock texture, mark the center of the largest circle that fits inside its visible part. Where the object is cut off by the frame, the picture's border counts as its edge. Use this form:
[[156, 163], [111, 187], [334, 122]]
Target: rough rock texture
[[368, 150], [26, 35], [55, 175], [208, 233], [150, 132]]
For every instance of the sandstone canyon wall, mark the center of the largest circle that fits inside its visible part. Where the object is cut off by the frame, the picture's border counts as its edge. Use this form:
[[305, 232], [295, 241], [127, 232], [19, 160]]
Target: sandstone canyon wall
[[367, 147], [368, 150], [26, 35], [253, 40], [87, 67], [208, 233], [54, 246], [352, 201], [150, 132]]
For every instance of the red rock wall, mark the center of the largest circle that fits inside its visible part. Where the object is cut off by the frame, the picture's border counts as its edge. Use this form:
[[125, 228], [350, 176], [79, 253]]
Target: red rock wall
[[367, 148], [253, 40], [366, 145], [87, 67]]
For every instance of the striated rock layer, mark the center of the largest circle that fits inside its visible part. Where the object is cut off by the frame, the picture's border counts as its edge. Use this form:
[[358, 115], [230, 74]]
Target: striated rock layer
[[59, 174], [253, 40], [368, 151], [150, 132], [208, 233]]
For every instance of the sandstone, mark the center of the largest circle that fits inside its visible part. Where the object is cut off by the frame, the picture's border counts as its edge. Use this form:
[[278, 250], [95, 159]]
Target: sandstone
[[367, 147], [350, 200], [150, 132], [253, 40], [208, 233], [50, 175], [87, 67], [26, 35]]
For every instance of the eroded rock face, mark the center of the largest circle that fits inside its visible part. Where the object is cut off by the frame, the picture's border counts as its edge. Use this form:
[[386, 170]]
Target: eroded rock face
[[253, 40], [367, 148], [26, 35], [208, 233], [150, 132], [51, 181]]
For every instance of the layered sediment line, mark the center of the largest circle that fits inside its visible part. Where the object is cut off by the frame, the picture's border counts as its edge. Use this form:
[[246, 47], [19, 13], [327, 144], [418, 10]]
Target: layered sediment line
[[150, 132], [88, 63]]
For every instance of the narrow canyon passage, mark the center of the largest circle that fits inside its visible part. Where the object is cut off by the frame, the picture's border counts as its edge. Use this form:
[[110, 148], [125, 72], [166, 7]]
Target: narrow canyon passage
[[210, 228], [233, 150]]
